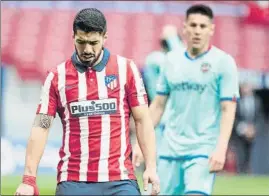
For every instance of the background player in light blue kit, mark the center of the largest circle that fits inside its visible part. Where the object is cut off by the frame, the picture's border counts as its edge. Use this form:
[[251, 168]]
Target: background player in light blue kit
[[170, 40], [202, 85]]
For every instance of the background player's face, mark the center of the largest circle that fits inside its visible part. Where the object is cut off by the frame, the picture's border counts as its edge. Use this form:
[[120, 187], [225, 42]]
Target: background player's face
[[89, 46], [198, 30]]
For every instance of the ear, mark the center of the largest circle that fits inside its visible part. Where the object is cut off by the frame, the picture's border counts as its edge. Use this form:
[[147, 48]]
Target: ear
[[105, 37], [212, 31]]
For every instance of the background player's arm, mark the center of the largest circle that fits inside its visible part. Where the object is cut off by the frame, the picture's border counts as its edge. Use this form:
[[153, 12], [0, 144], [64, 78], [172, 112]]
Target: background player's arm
[[157, 108], [159, 102], [37, 142], [228, 109], [229, 93]]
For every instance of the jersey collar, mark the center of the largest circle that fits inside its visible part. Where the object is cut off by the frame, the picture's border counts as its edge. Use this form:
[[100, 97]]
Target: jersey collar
[[83, 68], [199, 56]]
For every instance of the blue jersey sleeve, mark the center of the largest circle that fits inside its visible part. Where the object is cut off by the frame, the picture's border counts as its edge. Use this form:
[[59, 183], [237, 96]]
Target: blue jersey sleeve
[[229, 84], [151, 72], [162, 84]]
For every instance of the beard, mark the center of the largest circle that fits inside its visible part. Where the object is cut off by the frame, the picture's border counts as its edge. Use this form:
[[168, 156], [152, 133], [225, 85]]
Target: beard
[[91, 62]]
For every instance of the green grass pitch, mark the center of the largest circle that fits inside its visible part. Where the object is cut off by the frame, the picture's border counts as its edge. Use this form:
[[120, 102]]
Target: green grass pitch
[[224, 185]]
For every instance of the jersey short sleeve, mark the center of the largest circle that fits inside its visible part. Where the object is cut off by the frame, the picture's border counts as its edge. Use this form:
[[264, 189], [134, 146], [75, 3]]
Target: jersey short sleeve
[[162, 87], [229, 84], [136, 92], [151, 72], [48, 97]]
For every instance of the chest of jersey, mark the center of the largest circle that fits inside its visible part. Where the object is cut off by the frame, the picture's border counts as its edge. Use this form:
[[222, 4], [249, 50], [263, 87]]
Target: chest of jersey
[[93, 93], [186, 75]]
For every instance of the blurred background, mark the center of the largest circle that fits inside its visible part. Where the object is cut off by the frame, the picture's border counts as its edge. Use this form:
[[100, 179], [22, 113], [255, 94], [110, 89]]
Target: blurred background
[[37, 35]]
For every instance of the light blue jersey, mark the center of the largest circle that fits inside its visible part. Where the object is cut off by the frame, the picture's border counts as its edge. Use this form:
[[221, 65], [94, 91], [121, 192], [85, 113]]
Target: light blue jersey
[[195, 88], [153, 65], [151, 72]]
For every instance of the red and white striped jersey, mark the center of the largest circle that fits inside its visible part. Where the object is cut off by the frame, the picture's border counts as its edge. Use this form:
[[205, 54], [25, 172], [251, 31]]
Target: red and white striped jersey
[[94, 107]]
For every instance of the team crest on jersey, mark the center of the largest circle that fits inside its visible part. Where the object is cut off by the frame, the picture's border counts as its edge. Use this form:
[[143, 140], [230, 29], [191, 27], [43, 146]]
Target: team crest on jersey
[[111, 81], [205, 67]]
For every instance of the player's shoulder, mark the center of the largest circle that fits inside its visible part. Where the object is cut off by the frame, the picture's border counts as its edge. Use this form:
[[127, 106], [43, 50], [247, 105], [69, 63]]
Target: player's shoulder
[[224, 61], [118, 57], [221, 54], [60, 67], [123, 61]]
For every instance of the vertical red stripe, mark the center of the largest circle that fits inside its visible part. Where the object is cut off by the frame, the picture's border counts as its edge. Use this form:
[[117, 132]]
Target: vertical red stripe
[[61, 151], [94, 129], [38, 108], [74, 137], [52, 106], [115, 123]]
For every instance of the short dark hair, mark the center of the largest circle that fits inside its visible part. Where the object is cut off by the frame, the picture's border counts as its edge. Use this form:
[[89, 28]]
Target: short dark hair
[[90, 20], [200, 9], [164, 44]]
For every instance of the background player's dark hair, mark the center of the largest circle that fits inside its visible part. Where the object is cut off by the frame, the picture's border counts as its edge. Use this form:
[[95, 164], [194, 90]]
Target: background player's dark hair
[[90, 20], [164, 44], [200, 9]]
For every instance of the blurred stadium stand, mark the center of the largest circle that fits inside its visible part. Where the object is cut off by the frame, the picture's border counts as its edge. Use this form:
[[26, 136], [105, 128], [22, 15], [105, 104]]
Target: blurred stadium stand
[[37, 35], [41, 32]]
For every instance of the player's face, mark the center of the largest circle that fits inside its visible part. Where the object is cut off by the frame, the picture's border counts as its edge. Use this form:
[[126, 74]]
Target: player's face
[[89, 46], [198, 30]]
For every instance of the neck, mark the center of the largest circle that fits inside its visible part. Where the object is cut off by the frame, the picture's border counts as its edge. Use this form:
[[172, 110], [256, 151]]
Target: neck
[[194, 52]]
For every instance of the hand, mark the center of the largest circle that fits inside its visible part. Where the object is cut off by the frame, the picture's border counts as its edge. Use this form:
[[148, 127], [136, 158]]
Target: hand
[[150, 176], [169, 31], [138, 157], [28, 186], [217, 160], [25, 189]]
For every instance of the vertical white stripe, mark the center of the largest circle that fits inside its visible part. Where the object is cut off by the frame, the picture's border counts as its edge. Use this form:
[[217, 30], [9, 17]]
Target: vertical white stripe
[[122, 63], [103, 173], [137, 78], [46, 94], [84, 129], [61, 88]]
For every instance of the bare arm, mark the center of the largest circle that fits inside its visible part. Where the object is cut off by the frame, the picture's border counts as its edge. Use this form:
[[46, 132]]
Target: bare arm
[[145, 134], [227, 119], [157, 108], [36, 143]]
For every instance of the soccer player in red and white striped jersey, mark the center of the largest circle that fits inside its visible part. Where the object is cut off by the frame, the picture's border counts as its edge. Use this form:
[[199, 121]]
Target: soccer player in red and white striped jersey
[[93, 93]]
